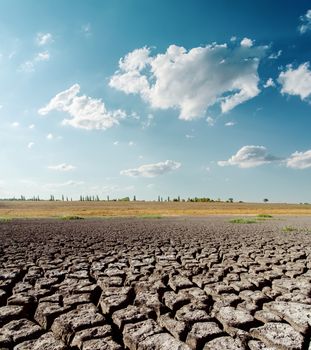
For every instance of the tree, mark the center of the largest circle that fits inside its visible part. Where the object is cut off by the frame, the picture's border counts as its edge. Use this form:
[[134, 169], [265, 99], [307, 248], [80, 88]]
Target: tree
[[134, 198], [230, 200], [266, 200]]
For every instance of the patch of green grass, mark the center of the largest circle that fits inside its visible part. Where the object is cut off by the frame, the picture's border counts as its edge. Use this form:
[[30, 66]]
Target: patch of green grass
[[243, 221], [5, 219], [151, 216], [264, 216], [289, 229], [71, 217]]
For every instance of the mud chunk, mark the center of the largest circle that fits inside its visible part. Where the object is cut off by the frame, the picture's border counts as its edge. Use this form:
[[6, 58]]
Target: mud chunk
[[258, 345], [101, 344], [177, 282], [67, 324], [223, 343], [176, 328], [191, 314], [162, 341], [133, 334], [232, 317], [174, 301], [47, 341], [89, 334], [202, 332], [298, 315], [131, 314], [21, 330], [10, 312], [280, 335], [46, 313]]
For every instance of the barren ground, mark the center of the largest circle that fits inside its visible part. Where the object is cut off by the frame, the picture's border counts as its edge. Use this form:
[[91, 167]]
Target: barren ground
[[179, 283]]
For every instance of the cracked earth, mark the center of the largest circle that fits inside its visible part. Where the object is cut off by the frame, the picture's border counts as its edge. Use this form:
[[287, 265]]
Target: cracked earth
[[155, 284]]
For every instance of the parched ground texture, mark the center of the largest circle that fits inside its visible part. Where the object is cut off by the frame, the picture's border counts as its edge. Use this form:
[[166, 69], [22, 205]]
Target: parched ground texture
[[186, 283]]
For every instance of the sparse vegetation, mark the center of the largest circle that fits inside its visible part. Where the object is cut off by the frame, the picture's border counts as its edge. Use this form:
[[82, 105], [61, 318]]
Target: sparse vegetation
[[289, 229], [151, 216], [71, 217], [5, 219], [243, 221], [265, 216]]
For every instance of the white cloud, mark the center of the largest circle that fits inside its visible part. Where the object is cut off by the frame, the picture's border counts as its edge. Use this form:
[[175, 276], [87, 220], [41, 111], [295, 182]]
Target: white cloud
[[15, 124], [249, 157], [230, 123], [44, 39], [210, 121], [269, 83], [30, 145], [62, 167], [131, 143], [31, 126], [42, 56], [276, 55], [305, 22], [116, 143], [64, 184], [152, 170], [299, 160], [246, 42], [50, 136], [296, 81], [29, 66], [148, 122], [1, 106], [191, 81], [86, 112], [188, 136]]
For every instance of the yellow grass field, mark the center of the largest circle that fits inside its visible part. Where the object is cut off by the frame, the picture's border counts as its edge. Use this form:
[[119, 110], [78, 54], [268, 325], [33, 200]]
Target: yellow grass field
[[29, 209]]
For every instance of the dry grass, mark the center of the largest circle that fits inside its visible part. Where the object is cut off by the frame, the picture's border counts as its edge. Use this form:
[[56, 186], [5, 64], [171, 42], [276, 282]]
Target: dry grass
[[110, 209]]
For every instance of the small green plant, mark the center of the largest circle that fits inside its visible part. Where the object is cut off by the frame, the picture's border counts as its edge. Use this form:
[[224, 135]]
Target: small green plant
[[5, 219], [243, 221], [151, 216], [266, 216], [71, 217], [289, 229]]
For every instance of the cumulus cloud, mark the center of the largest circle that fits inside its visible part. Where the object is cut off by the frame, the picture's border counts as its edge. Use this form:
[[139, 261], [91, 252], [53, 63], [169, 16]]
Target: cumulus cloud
[[15, 124], [249, 157], [30, 145], [31, 126], [296, 81], [246, 42], [269, 83], [305, 22], [62, 167], [299, 160], [152, 170], [231, 123], [50, 136], [86, 112], [44, 39], [42, 56], [275, 55], [210, 121], [191, 81]]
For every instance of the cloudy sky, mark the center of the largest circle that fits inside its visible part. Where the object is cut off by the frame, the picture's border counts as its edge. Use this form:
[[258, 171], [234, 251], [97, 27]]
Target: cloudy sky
[[148, 98]]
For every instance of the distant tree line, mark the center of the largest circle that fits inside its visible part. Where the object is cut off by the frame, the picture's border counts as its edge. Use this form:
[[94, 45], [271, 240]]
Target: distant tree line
[[96, 198]]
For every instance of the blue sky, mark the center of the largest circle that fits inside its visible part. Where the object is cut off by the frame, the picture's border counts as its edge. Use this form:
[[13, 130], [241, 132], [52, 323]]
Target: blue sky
[[148, 98]]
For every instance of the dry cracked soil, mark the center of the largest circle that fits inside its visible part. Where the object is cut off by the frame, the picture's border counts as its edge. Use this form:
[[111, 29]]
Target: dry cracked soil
[[182, 283]]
